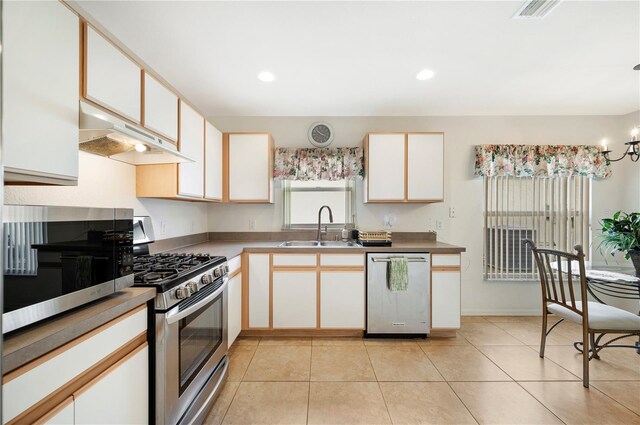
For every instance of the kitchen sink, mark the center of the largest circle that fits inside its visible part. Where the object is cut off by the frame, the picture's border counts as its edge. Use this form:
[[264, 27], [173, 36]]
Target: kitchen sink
[[340, 244], [300, 244], [323, 244]]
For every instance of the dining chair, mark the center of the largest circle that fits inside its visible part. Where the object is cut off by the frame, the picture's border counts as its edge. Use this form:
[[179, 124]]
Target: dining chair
[[559, 297]]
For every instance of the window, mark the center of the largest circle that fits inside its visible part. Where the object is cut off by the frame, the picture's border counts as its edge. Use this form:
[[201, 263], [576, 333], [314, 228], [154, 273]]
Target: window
[[303, 199], [553, 212]]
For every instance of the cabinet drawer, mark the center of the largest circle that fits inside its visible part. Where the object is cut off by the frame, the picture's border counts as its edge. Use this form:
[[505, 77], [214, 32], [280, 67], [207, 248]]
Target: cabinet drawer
[[234, 264], [295, 260], [342, 260], [446, 260], [31, 383]]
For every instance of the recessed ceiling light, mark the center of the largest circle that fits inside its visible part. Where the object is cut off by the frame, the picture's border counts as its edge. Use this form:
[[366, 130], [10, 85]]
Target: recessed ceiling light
[[425, 74], [266, 76]]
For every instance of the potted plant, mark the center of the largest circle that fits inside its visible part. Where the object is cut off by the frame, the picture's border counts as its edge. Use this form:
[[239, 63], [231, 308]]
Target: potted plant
[[622, 233]]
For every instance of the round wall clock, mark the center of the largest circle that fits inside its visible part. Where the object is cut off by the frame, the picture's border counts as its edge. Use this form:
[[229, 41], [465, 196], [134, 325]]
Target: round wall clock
[[320, 134]]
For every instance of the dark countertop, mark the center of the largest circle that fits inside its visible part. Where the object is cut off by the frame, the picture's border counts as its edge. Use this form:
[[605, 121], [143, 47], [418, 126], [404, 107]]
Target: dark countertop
[[24, 346], [232, 249]]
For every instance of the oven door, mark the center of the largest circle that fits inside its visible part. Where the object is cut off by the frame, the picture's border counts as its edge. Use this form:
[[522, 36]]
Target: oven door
[[191, 342]]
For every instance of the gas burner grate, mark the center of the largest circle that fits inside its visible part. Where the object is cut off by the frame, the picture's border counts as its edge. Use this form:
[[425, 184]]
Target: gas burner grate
[[154, 276]]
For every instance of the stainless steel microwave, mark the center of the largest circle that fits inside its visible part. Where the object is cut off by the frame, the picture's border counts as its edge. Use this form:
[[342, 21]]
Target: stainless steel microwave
[[59, 258]]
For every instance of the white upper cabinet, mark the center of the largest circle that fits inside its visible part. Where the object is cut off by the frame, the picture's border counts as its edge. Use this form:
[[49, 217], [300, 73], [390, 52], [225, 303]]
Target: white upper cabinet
[[250, 177], [160, 108], [404, 167], [112, 80], [385, 167], [40, 78], [191, 174], [213, 163], [425, 161]]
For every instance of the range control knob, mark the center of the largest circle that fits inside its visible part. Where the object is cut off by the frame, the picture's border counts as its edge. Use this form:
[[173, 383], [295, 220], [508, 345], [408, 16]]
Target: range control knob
[[182, 293], [206, 279], [217, 272], [225, 268], [192, 287]]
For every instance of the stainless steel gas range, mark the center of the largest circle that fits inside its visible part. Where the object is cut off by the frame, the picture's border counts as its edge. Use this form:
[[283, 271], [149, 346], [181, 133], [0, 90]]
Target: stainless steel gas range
[[191, 327]]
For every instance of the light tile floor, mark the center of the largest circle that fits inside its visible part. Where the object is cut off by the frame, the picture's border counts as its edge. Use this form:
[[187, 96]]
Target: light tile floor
[[490, 373]]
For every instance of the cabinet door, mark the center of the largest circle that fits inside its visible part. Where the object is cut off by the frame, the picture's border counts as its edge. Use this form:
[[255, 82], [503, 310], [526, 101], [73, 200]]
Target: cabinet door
[[112, 79], [160, 108], [294, 299], [385, 167], [342, 300], [40, 54], [119, 396], [425, 175], [250, 175], [258, 290], [235, 308], [213, 163], [63, 414], [445, 300], [191, 174]]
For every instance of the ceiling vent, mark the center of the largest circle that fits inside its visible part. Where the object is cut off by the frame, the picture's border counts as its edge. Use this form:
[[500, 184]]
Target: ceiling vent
[[536, 9]]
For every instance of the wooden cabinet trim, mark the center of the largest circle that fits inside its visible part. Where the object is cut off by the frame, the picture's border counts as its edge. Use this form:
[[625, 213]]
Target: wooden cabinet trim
[[406, 169], [51, 354], [92, 100], [52, 413], [54, 399], [111, 368], [225, 165]]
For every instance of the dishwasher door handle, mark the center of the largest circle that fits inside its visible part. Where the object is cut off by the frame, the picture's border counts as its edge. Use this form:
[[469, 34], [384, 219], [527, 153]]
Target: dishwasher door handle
[[411, 260]]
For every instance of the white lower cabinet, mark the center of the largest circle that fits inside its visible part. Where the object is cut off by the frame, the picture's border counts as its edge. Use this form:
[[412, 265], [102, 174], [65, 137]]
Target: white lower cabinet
[[258, 290], [294, 299], [445, 299], [342, 296], [119, 395], [234, 308]]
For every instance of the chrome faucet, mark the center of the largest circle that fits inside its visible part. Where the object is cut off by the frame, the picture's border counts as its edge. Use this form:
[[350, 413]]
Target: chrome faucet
[[319, 236]]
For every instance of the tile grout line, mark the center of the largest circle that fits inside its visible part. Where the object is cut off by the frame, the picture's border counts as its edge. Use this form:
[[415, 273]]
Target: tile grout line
[[463, 403], [309, 387], [226, 411]]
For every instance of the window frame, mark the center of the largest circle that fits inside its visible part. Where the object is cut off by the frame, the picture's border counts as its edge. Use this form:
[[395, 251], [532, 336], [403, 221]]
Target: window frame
[[350, 205]]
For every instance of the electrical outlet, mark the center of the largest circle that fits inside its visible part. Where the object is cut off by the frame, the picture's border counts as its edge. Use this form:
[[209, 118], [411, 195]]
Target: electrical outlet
[[452, 212], [439, 225], [193, 226], [252, 224], [163, 227]]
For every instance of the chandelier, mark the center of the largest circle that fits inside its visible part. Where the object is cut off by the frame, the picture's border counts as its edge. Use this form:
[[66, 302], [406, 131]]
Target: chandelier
[[632, 151]]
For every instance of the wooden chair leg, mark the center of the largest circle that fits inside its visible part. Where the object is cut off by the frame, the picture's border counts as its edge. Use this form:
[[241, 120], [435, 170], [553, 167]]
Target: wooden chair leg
[[585, 358], [543, 339]]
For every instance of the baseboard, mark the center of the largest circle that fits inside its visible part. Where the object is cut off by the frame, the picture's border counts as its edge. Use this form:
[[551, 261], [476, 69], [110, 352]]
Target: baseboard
[[506, 312]]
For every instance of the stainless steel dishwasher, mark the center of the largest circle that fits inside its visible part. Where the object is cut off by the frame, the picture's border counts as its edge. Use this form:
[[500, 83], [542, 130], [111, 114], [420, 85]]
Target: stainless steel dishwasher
[[403, 312]]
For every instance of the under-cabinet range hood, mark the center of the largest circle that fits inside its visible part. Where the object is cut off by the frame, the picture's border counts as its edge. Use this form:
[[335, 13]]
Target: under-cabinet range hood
[[104, 134]]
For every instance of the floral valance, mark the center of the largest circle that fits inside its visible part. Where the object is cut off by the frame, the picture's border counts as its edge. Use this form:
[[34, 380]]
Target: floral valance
[[541, 161], [318, 164]]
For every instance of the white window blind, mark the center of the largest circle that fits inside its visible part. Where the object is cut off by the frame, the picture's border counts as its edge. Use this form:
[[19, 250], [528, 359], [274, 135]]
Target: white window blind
[[553, 212]]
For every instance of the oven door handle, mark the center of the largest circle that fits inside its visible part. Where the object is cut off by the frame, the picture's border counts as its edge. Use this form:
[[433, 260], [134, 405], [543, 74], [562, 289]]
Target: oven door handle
[[175, 315]]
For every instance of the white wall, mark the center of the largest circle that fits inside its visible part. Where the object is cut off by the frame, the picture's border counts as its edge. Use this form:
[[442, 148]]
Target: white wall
[[104, 182], [462, 189]]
